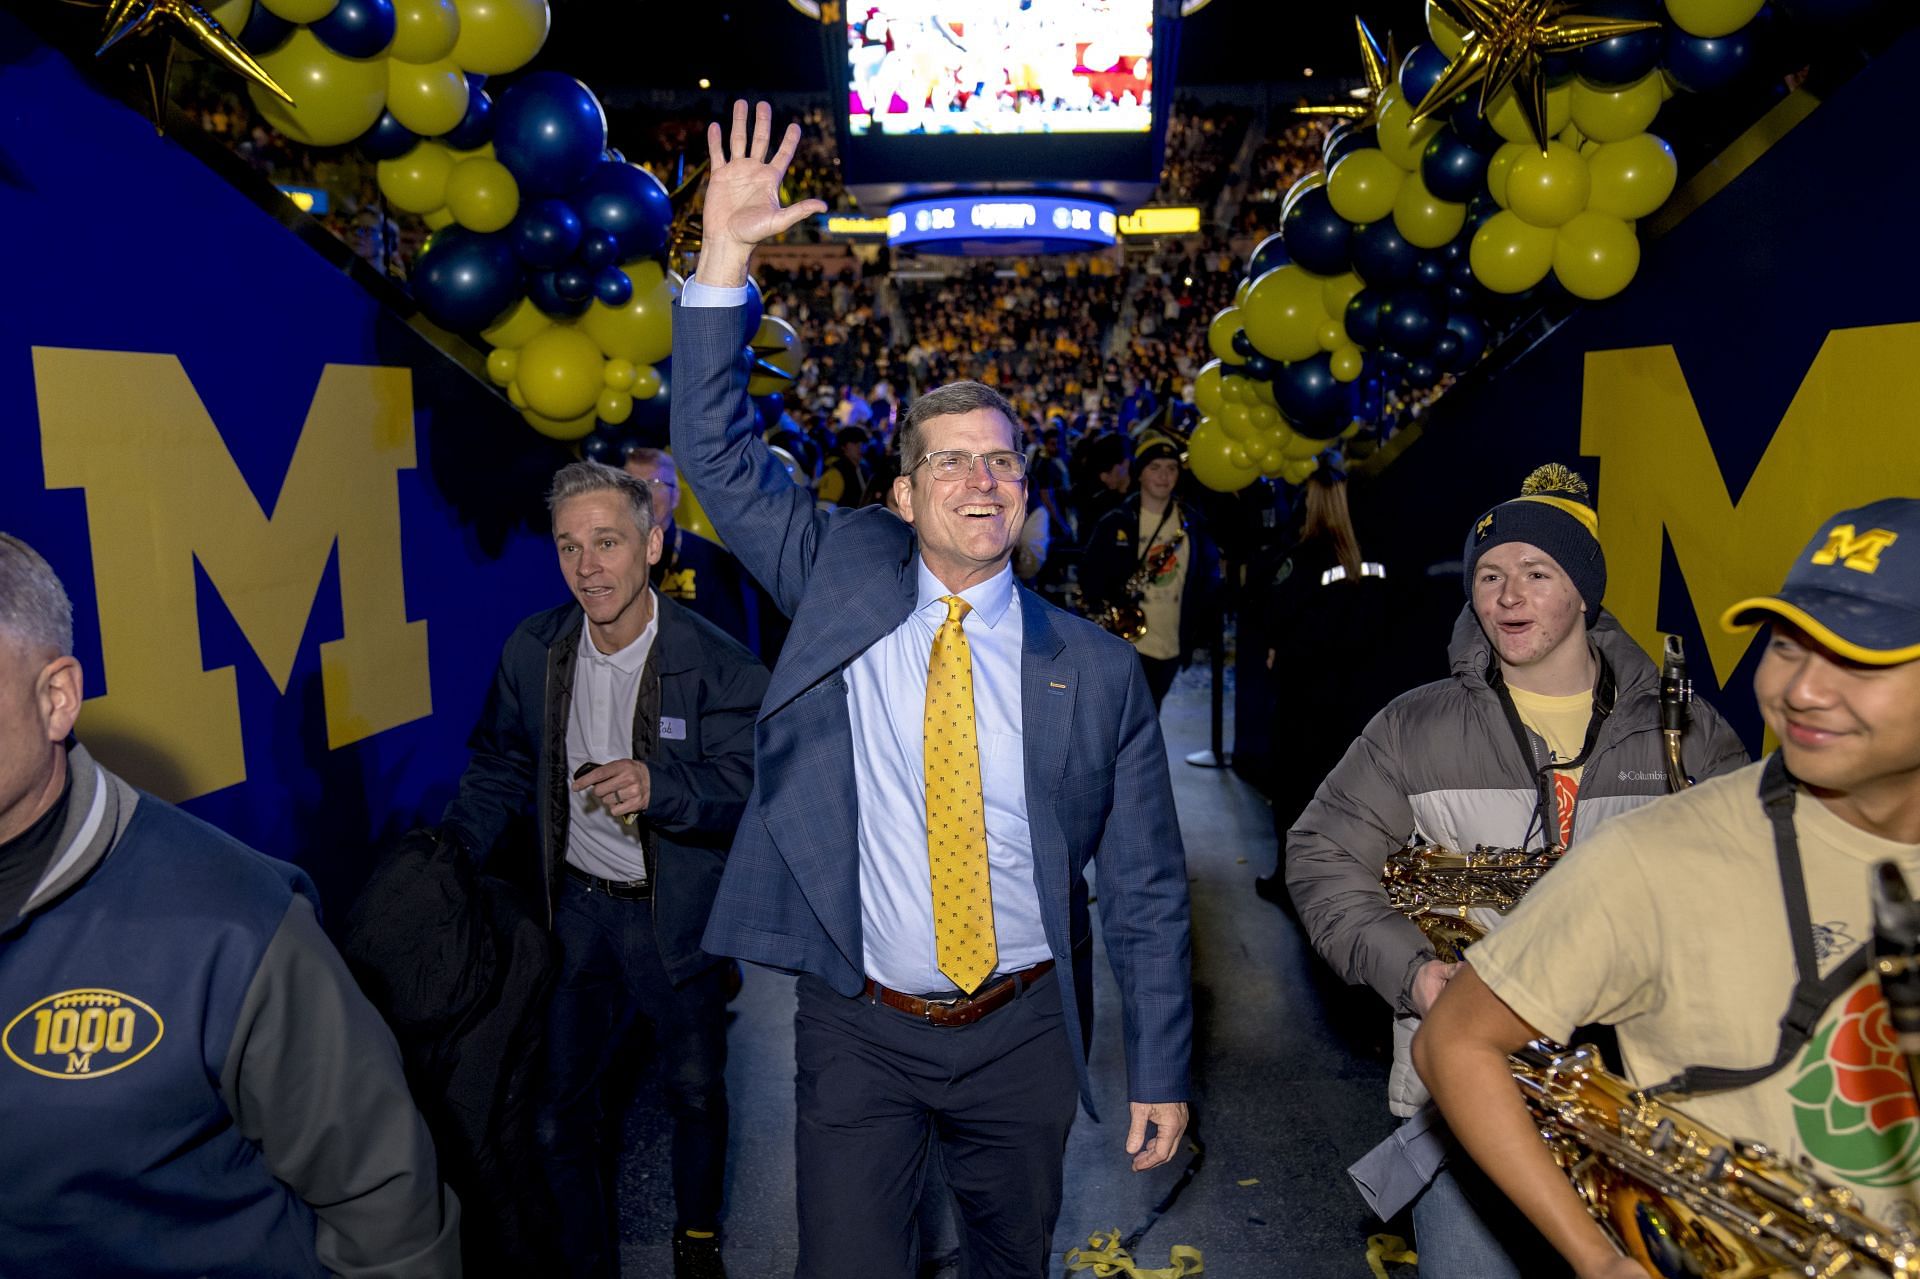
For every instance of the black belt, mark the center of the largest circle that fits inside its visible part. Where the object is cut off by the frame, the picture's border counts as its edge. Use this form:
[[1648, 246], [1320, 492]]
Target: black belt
[[625, 890]]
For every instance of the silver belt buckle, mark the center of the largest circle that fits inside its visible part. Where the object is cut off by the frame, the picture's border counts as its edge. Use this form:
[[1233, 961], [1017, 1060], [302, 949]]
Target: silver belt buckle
[[953, 1002]]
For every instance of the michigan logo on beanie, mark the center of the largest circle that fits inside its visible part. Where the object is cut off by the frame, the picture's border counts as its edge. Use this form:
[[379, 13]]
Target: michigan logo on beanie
[[1554, 514]]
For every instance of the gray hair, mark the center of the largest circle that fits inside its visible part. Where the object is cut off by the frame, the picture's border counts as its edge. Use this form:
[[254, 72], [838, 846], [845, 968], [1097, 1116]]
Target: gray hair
[[577, 479], [949, 401], [33, 604]]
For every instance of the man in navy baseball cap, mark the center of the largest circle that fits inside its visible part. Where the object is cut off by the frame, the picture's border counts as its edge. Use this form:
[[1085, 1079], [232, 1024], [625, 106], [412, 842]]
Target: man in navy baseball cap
[[1855, 589]]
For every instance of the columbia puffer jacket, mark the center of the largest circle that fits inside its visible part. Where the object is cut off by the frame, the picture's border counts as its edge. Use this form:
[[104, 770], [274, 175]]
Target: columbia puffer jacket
[[1450, 763]]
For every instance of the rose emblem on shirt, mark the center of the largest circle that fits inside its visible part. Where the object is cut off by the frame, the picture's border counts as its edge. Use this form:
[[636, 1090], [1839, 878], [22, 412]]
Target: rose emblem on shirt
[[1853, 1103]]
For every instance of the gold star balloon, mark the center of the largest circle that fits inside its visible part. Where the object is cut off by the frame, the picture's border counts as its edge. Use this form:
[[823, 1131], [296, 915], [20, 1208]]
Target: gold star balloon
[[163, 22], [1504, 43], [1378, 68]]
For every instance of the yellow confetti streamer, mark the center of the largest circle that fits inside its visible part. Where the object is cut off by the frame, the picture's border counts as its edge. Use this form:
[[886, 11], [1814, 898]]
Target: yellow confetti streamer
[[1250, 1181], [1104, 1257], [1384, 1248]]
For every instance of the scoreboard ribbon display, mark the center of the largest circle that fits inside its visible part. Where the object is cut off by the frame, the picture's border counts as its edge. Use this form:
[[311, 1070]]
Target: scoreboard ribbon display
[[999, 224]]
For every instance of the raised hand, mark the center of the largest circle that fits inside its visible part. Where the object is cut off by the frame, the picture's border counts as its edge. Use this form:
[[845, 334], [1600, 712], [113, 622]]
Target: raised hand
[[743, 195]]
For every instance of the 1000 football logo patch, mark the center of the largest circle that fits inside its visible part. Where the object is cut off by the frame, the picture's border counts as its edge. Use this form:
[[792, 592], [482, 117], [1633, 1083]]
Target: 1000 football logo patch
[[82, 1034]]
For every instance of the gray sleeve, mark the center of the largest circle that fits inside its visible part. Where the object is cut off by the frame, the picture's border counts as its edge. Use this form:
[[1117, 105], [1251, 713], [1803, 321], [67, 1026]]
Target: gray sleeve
[[313, 1077], [1335, 854], [1718, 750]]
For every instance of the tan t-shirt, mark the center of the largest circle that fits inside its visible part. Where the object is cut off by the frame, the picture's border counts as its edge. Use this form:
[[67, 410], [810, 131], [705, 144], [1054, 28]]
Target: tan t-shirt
[[1166, 582], [1669, 923], [1562, 722]]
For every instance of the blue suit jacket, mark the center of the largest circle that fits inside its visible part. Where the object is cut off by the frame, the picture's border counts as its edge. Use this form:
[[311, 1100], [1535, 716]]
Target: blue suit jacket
[[1096, 767]]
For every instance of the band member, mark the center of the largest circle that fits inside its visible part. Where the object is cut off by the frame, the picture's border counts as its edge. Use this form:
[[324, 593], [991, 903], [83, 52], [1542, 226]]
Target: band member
[[196, 1084], [1152, 553], [941, 755], [1676, 925], [1548, 724], [624, 724]]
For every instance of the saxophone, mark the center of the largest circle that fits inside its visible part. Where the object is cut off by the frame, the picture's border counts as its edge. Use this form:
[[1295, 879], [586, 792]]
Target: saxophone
[[1686, 1202], [1127, 618], [1438, 887]]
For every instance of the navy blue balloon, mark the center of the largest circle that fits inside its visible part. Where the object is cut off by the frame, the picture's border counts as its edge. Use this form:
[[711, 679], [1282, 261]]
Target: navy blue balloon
[[1420, 71], [1243, 345], [357, 28], [1471, 333], [546, 233], [1702, 65], [1259, 367], [629, 204], [1460, 295], [465, 280], [1381, 255], [603, 446], [573, 283], [651, 413], [548, 130], [388, 139], [1318, 238], [1410, 320], [1558, 68], [1431, 272], [543, 291], [598, 249], [1267, 255], [1451, 169], [756, 306], [475, 129], [1621, 60], [613, 286], [1347, 143], [1363, 316], [1422, 374], [265, 31], [1470, 126], [1310, 396], [1446, 349]]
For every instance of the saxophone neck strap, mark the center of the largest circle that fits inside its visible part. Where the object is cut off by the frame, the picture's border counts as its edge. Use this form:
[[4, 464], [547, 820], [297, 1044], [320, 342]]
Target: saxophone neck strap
[[1146, 544], [1811, 993]]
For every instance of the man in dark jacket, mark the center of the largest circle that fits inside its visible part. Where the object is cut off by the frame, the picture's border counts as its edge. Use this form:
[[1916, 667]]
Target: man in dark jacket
[[625, 723]]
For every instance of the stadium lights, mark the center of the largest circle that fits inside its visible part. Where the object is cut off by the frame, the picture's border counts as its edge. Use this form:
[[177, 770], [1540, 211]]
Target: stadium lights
[[705, 83], [1307, 71]]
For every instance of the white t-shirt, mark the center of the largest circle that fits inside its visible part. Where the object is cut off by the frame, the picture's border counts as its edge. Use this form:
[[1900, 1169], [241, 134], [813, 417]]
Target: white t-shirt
[[1669, 924], [1166, 586], [606, 688]]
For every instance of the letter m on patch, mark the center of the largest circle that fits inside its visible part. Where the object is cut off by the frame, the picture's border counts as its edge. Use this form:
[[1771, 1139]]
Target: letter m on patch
[[1859, 551]]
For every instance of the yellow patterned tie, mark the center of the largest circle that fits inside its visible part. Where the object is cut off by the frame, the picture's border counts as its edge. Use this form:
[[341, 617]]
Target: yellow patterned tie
[[956, 815]]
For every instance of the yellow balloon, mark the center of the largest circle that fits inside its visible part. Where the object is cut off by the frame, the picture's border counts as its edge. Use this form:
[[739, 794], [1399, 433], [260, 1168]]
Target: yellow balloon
[[1206, 389], [1303, 447], [614, 407], [1299, 471], [1234, 390], [1609, 115], [482, 194], [1422, 218], [1447, 34], [1712, 19], [641, 329], [1220, 331], [1347, 362], [618, 376], [417, 181], [521, 323], [498, 36], [1338, 291], [439, 218], [232, 15], [1214, 458], [1259, 391], [578, 428], [560, 373], [516, 397], [646, 382], [1595, 256], [336, 99], [423, 30], [1240, 291], [1284, 312], [501, 366], [1633, 177], [775, 343], [1504, 114], [1237, 421], [1546, 190], [1362, 185], [1500, 168], [1401, 137], [300, 11], [689, 515], [428, 99], [1265, 418], [1509, 255], [1331, 334]]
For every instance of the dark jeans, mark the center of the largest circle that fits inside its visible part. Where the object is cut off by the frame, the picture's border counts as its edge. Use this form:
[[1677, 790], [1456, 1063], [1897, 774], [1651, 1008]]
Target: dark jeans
[[876, 1088], [1160, 673], [611, 981], [1465, 1228]]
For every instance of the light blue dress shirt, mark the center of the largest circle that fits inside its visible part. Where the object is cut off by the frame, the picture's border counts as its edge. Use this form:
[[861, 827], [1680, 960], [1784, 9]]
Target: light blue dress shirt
[[887, 697]]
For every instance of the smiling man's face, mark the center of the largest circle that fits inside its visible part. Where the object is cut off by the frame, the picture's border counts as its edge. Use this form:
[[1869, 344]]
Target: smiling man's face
[[967, 526]]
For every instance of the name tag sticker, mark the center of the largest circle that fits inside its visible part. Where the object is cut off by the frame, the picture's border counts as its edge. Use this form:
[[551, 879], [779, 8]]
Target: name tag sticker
[[672, 729]]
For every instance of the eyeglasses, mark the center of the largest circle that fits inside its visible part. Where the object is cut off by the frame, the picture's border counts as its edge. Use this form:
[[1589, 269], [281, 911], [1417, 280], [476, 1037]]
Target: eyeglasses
[[954, 464]]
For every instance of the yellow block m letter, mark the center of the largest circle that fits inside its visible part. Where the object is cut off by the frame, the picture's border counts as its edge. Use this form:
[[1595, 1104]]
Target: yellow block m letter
[[1861, 552]]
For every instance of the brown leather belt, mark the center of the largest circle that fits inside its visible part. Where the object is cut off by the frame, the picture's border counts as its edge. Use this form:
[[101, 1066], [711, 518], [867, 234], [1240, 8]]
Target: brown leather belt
[[961, 1010]]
